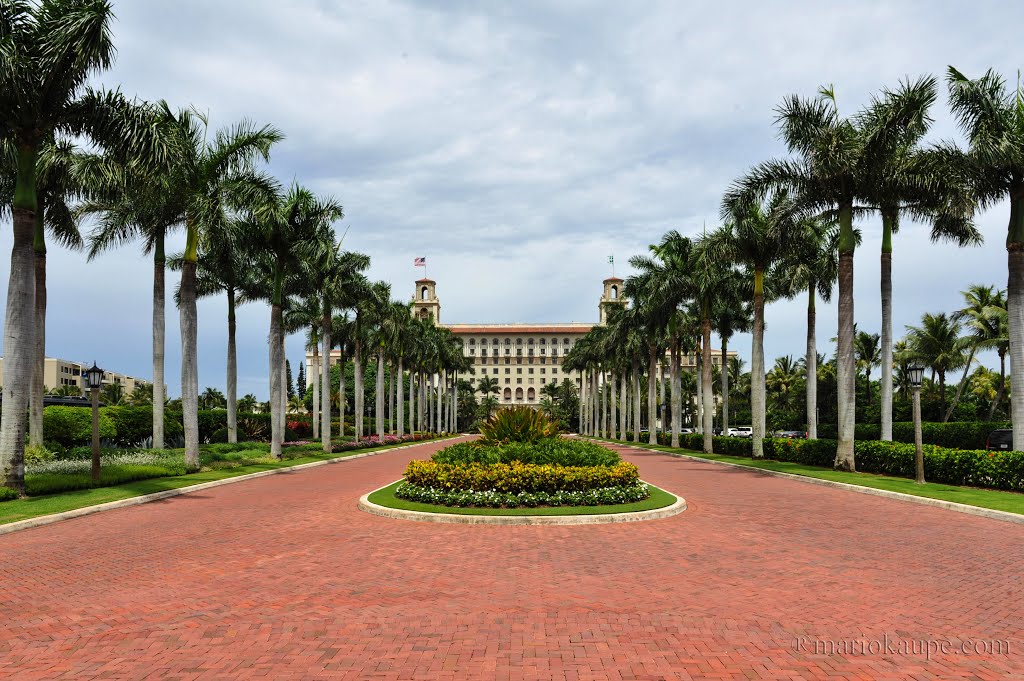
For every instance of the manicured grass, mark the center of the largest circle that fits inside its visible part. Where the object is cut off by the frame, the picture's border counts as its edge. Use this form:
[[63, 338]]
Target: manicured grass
[[31, 507], [659, 499], [1011, 502]]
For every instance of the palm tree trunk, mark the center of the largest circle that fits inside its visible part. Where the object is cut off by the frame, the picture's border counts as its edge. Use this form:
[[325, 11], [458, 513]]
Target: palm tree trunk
[[342, 395], [698, 424], [612, 416], [159, 326], [595, 404], [276, 384], [725, 385], [283, 414], [393, 393], [708, 406], [400, 394], [379, 402], [189, 359], [757, 385], [622, 405], [232, 377], [1002, 386], [677, 395], [662, 406], [315, 370], [652, 394], [19, 326], [325, 384], [960, 387], [811, 363], [636, 398], [437, 409], [358, 397], [886, 383], [846, 372]]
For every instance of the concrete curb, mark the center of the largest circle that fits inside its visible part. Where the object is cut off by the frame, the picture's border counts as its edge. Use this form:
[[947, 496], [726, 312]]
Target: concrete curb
[[992, 514], [454, 518], [166, 494]]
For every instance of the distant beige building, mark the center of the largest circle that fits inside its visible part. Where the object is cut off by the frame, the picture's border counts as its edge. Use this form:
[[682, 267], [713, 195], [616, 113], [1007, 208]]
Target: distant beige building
[[62, 372]]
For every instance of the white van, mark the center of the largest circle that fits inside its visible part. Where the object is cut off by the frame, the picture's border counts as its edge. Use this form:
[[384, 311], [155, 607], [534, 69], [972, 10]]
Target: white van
[[741, 431]]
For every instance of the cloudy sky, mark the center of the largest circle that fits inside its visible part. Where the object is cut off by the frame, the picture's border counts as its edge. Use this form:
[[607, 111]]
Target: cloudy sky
[[517, 145]]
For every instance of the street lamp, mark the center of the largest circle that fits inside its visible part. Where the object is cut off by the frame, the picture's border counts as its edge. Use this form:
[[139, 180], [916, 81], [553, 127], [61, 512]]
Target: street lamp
[[94, 379], [916, 374]]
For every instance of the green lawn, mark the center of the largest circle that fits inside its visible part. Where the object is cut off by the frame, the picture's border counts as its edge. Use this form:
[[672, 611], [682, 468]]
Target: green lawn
[[659, 499], [1011, 502], [31, 507]]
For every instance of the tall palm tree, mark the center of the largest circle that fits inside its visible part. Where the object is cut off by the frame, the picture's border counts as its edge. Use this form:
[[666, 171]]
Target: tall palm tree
[[247, 403], [993, 120], [50, 51], [732, 315], [907, 182], [288, 227], [757, 237], [811, 266], [865, 346], [832, 169]]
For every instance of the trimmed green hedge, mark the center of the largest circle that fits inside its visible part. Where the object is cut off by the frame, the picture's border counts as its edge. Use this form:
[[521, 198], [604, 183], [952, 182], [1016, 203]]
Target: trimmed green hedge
[[952, 435], [552, 450], [70, 426], [490, 499], [972, 467], [518, 477]]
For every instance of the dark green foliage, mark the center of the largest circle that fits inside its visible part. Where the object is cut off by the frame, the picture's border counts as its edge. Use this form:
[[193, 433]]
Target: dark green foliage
[[623, 494], [134, 425], [952, 435], [69, 426], [289, 381], [517, 424], [6, 494], [50, 483], [559, 451], [300, 380]]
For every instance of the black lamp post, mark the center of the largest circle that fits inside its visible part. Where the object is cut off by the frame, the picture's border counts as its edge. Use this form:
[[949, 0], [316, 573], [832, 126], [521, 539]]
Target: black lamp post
[[94, 379], [916, 374]]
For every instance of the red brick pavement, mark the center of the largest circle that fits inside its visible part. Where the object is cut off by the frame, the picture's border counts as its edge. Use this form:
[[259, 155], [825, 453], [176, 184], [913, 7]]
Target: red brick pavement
[[282, 577]]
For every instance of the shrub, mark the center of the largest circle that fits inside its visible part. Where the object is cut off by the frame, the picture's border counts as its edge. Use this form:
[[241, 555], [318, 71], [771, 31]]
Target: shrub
[[36, 454], [72, 426], [519, 477], [517, 424], [952, 435], [552, 450], [492, 499], [6, 494]]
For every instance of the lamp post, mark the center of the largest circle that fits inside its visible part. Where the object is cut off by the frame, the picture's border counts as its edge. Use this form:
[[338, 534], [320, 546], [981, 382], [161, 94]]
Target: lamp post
[[94, 378], [916, 372]]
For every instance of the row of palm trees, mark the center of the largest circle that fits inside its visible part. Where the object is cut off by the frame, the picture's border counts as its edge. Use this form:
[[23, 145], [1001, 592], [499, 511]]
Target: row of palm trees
[[789, 228], [143, 171]]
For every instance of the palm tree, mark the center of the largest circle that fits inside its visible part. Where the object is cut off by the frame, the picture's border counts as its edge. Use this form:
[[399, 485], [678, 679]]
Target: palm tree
[[865, 346], [937, 343], [247, 404], [757, 238], [141, 395], [782, 379], [289, 228], [993, 120], [906, 181], [112, 394], [212, 399], [983, 314], [50, 51], [812, 265], [832, 169]]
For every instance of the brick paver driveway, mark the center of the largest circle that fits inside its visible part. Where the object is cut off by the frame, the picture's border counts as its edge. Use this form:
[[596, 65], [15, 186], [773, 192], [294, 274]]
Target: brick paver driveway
[[283, 577]]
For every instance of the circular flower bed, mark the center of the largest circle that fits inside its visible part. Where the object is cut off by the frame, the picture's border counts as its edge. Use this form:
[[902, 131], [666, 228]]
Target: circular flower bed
[[527, 467]]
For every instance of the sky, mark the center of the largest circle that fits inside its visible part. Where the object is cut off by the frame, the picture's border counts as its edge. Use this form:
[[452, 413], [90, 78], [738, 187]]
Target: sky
[[516, 146]]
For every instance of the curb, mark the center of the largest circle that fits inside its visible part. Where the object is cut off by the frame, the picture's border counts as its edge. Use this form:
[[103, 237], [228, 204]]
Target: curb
[[166, 494], [967, 509], [454, 518]]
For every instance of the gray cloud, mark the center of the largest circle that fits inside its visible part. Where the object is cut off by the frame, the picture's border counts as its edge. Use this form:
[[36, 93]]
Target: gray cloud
[[516, 145]]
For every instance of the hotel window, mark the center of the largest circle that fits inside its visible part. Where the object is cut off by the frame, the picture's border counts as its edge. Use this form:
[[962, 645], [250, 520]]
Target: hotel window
[[530, 371], [472, 341], [507, 381], [543, 360], [554, 370], [495, 372], [529, 342], [494, 342], [508, 371], [508, 341], [519, 341], [519, 371], [519, 360], [508, 360], [519, 380], [542, 371], [530, 381]]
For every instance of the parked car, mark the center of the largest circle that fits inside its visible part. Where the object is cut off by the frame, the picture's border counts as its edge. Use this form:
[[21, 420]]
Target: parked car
[[791, 434], [1001, 438], [686, 431], [741, 431]]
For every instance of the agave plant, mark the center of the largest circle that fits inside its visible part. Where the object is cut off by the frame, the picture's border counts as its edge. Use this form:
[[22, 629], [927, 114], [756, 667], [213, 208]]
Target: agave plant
[[517, 424]]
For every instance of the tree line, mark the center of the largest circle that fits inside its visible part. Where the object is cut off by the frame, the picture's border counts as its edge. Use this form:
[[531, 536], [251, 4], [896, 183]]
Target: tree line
[[788, 229]]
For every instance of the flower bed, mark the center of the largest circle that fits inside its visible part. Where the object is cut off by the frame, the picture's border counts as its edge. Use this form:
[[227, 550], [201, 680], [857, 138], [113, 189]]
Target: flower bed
[[600, 496], [518, 477]]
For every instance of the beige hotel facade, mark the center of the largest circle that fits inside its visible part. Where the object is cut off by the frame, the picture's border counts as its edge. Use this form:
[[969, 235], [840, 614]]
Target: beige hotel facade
[[63, 372], [522, 357]]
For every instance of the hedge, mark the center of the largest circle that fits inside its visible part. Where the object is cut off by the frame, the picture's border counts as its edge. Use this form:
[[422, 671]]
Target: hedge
[[551, 450], [70, 426], [490, 499], [519, 477], [953, 435], [971, 467]]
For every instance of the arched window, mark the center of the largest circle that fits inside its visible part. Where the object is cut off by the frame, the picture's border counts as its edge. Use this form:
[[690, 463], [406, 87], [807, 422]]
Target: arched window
[[531, 395], [519, 394], [508, 341], [519, 341], [543, 341], [423, 293], [508, 394], [615, 292], [423, 313]]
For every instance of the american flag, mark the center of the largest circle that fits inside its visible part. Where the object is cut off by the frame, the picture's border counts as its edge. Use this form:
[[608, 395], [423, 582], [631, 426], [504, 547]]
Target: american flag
[[419, 262]]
